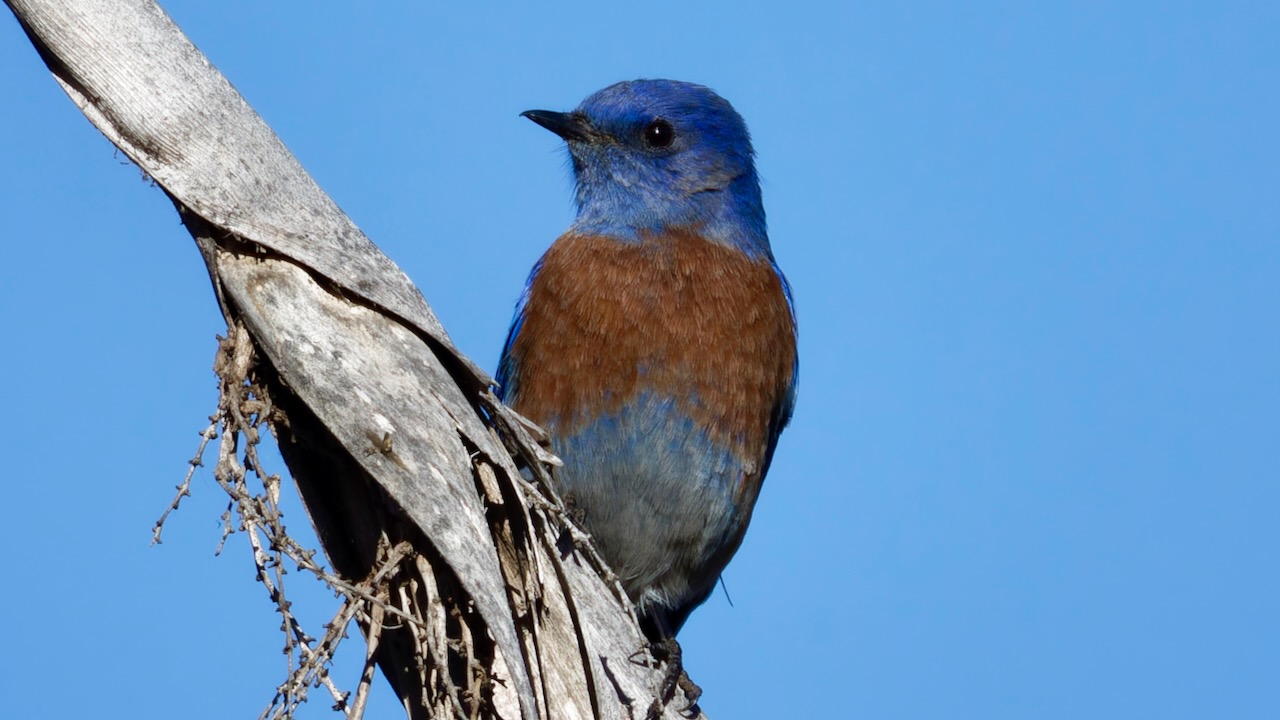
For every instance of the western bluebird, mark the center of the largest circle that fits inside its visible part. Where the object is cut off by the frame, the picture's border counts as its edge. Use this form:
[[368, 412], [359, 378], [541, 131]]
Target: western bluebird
[[656, 339]]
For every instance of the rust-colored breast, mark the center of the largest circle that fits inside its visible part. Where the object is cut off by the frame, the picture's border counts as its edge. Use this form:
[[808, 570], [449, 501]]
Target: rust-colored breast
[[673, 315]]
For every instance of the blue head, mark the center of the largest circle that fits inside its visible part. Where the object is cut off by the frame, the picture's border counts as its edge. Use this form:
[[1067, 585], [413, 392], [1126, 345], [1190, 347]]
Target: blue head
[[654, 155]]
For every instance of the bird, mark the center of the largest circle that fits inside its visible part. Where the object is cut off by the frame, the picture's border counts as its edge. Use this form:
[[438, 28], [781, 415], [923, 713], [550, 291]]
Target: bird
[[655, 340]]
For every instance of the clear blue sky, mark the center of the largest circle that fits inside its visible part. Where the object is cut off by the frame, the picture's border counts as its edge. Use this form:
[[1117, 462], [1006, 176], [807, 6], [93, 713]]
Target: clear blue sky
[[1035, 247]]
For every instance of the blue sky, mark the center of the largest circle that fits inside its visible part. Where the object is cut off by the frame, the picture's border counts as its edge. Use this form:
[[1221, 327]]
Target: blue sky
[[1035, 248]]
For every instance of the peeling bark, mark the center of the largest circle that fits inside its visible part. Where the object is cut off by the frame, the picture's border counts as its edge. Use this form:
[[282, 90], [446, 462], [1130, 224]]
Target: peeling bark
[[477, 594]]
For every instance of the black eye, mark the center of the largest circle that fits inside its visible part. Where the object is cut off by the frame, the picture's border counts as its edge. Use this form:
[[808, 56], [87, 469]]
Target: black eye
[[659, 134]]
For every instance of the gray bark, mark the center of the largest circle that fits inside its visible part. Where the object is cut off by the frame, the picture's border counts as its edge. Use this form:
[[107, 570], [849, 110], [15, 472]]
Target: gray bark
[[391, 434]]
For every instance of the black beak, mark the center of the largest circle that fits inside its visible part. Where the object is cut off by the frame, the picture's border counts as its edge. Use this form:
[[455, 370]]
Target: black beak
[[570, 126]]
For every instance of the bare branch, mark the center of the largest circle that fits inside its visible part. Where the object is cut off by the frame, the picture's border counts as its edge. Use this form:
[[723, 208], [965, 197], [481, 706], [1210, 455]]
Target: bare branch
[[184, 488], [477, 593]]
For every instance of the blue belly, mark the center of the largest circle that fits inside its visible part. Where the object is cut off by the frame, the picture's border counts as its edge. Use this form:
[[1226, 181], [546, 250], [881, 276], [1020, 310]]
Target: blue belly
[[657, 497]]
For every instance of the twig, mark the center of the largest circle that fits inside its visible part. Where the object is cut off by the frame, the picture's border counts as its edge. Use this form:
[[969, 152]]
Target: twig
[[184, 490], [366, 673]]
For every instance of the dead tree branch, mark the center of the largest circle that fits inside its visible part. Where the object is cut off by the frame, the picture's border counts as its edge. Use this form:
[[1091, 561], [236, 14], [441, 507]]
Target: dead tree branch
[[476, 595]]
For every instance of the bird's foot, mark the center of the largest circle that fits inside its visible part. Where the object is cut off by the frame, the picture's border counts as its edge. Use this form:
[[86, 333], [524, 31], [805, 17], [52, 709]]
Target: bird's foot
[[667, 652]]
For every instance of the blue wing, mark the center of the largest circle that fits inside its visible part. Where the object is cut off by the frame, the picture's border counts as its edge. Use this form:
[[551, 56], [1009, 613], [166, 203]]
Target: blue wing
[[786, 405], [508, 374]]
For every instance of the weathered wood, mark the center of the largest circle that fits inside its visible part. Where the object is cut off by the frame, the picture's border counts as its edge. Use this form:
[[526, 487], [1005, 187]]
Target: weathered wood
[[391, 434]]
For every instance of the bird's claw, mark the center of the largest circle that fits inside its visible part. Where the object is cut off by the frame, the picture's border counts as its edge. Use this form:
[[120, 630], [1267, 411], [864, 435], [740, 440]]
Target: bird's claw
[[667, 652]]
